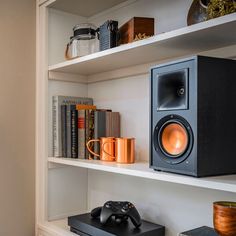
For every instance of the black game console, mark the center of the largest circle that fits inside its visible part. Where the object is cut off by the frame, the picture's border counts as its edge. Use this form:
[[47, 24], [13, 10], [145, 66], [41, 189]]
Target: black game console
[[85, 225]]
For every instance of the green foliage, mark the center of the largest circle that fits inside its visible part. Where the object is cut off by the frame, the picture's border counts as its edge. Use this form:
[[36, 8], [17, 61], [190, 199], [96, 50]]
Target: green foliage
[[218, 8]]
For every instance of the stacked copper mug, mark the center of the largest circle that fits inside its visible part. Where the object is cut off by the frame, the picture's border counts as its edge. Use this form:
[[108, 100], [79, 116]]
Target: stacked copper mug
[[121, 150]]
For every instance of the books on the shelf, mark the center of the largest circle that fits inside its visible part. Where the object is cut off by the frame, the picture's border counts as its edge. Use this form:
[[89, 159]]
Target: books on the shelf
[[106, 124], [57, 102], [99, 127], [63, 130], [76, 121], [74, 132], [68, 128], [112, 124], [81, 134], [85, 118]]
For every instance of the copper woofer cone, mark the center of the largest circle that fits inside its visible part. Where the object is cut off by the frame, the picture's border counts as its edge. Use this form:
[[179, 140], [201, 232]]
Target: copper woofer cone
[[174, 139]]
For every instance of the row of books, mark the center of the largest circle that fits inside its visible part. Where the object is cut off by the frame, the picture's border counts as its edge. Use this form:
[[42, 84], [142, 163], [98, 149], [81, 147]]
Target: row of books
[[76, 121]]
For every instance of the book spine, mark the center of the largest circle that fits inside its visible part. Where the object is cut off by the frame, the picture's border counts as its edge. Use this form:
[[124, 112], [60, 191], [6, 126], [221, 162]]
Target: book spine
[[115, 124], [56, 123], [99, 128], [74, 132], [91, 132], [63, 130], [68, 129], [87, 117], [81, 133], [112, 124], [91, 125], [108, 124]]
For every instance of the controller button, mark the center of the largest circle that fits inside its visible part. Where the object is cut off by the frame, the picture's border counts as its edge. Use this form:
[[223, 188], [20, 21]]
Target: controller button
[[108, 205], [124, 209]]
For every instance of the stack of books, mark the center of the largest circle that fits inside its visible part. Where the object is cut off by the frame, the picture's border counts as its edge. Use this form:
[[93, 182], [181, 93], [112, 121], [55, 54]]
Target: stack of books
[[76, 121]]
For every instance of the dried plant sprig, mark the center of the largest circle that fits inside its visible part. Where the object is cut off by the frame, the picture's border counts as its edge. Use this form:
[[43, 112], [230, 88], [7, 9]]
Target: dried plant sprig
[[217, 8], [141, 36]]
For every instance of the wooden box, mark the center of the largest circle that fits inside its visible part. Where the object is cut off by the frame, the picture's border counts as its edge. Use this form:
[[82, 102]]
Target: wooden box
[[136, 26]]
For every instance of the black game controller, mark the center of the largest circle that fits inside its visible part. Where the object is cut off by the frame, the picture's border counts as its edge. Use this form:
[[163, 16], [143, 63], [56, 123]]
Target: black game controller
[[120, 210], [96, 212]]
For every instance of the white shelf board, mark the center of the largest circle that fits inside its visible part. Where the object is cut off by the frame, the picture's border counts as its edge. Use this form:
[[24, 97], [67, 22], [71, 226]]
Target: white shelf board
[[208, 35], [141, 169], [57, 227]]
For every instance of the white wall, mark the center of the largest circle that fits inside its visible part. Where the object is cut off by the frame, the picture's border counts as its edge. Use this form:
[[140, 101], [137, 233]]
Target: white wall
[[17, 104]]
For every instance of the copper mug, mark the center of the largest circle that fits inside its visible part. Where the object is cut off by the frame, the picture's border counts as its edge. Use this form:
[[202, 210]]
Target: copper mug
[[124, 150], [120, 150], [107, 148]]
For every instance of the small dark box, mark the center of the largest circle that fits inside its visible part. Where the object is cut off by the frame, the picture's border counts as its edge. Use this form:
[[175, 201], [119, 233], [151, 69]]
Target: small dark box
[[108, 35], [201, 231], [134, 27], [85, 225]]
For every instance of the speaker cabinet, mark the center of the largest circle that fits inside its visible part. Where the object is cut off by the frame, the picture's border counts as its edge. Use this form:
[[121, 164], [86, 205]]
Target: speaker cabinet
[[193, 116]]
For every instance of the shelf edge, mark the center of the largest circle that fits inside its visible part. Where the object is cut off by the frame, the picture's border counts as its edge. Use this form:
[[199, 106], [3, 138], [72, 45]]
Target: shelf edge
[[208, 182]]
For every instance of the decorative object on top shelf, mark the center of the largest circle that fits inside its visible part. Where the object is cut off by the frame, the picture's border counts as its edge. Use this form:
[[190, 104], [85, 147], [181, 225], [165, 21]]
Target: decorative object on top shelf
[[197, 12], [140, 37], [135, 29], [108, 35], [217, 8], [202, 10], [83, 41], [224, 218]]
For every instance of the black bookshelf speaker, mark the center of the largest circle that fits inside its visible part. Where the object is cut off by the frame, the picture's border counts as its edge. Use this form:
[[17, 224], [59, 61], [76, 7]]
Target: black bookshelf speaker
[[193, 116]]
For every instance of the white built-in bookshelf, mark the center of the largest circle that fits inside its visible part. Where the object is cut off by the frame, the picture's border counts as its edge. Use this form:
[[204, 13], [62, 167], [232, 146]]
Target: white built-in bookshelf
[[118, 79]]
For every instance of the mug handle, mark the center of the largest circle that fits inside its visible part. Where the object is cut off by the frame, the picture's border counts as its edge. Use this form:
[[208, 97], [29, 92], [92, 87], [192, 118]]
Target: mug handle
[[67, 56], [113, 141], [87, 145]]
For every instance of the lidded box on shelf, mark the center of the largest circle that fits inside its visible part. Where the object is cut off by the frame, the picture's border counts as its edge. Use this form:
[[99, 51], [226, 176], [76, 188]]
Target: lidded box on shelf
[[136, 28]]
